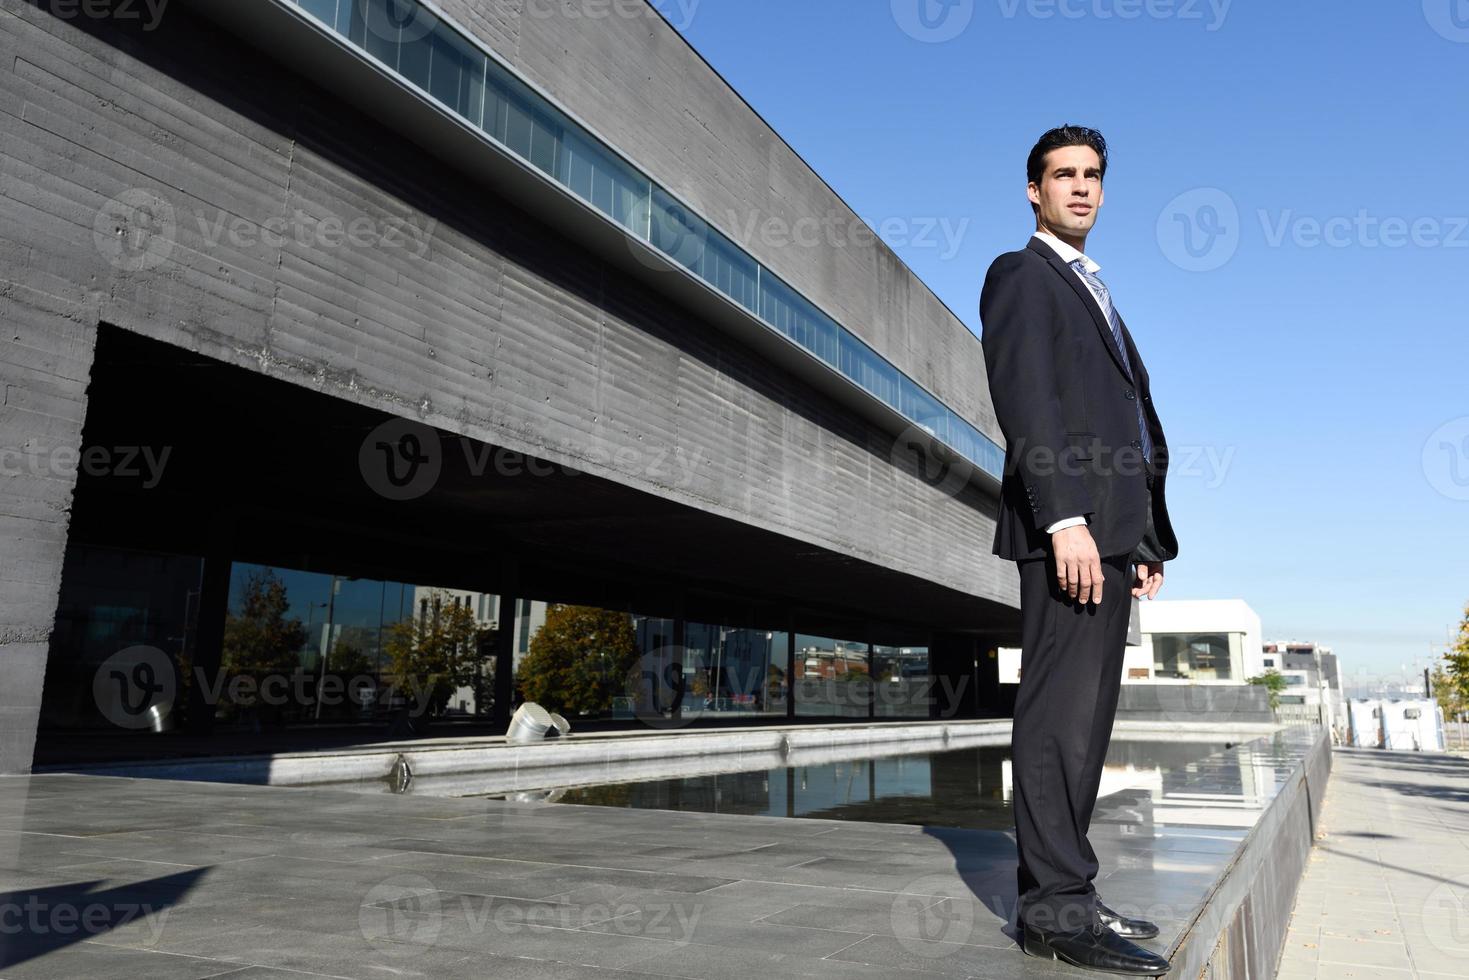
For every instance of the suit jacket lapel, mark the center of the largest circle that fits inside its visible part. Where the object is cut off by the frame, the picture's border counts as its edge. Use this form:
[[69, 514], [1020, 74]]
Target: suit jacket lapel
[[1074, 281]]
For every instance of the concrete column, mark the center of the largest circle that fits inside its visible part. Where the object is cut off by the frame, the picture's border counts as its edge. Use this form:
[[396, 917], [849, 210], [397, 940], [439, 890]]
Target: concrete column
[[46, 353], [505, 640]]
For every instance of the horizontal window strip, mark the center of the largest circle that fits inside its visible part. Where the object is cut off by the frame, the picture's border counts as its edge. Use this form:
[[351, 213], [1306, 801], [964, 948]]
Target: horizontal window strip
[[455, 70]]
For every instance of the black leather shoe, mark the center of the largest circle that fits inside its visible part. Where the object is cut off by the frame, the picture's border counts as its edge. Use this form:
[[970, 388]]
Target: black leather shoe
[[1125, 927], [1093, 948]]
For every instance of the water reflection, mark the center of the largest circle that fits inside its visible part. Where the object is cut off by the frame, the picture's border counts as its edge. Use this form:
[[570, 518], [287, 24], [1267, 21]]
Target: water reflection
[[964, 787]]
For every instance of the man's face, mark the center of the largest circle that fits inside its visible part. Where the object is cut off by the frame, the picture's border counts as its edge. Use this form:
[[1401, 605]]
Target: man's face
[[1070, 192]]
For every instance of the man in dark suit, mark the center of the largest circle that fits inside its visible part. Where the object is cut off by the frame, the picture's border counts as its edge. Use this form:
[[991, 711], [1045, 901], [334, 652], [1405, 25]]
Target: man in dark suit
[[1083, 516]]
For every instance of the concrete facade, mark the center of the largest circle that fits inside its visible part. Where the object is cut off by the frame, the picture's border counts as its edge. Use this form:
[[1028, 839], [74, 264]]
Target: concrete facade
[[144, 169]]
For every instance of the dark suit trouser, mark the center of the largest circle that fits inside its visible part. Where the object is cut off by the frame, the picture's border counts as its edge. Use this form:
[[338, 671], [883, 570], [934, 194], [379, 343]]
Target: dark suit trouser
[[1071, 671]]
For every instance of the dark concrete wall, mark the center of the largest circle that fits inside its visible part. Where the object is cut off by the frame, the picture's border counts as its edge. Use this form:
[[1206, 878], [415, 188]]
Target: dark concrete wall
[[1212, 703], [141, 166]]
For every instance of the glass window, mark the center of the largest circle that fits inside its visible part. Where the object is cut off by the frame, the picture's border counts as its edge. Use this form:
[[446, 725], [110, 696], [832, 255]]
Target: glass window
[[863, 365], [604, 181], [457, 74], [323, 10], [831, 677], [1197, 656], [583, 661], [924, 409], [518, 118], [417, 30], [902, 684], [689, 240], [793, 315], [111, 601], [733, 671]]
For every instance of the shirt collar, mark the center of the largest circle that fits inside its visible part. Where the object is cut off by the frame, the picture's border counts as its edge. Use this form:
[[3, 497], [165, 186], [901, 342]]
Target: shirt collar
[[1067, 253]]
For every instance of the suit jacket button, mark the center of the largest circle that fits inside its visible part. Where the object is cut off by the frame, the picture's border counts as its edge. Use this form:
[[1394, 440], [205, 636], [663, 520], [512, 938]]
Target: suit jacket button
[[1130, 394], [1136, 444]]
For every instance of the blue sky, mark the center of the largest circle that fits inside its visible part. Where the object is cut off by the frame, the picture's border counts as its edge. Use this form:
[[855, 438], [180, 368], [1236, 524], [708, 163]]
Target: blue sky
[[1308, 356]]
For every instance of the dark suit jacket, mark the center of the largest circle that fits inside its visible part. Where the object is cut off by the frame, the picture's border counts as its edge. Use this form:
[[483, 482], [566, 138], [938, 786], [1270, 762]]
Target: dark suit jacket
[[1068, 409]]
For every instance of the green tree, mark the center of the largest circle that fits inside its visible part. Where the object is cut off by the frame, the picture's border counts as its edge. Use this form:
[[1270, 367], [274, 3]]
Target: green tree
[[348, 660], [431, 655], [259, 641], [1451, 679], [1274, 682], [579, 660]]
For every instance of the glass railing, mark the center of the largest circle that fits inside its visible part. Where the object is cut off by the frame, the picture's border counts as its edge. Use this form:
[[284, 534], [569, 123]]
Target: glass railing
[[457, 72]]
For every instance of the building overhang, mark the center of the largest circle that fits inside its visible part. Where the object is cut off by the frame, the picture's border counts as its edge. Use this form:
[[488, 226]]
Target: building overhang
[[310, 47]]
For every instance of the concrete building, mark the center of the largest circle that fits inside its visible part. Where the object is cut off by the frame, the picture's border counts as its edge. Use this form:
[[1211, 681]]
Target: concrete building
[[1190, 659], [1314, 689], [472, 294], [1182, 641]]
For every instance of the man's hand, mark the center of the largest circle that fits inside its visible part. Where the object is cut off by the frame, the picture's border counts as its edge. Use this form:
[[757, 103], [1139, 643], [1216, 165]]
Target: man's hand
[[1149, 579], [1078, 567]]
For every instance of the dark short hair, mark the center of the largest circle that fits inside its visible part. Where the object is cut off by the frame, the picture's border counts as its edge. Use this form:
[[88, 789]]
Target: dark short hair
[[1063, 136]]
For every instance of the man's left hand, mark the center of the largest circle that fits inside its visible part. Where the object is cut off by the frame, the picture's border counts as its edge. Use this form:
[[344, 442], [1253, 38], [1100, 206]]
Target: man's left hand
[[1149, 579]]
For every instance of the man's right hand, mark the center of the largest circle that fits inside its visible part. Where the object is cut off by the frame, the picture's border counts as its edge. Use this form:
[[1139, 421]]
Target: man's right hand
[[1078, 566]]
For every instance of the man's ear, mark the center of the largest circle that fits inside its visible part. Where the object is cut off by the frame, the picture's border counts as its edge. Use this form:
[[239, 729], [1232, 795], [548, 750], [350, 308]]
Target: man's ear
[[1034, 194]]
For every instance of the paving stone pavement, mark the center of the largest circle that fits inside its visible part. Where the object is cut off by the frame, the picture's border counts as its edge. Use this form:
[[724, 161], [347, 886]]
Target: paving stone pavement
[[105, 876], [1386, 892], [113, 877]]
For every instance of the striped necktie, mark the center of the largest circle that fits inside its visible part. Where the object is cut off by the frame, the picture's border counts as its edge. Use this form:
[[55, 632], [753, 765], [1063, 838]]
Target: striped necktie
[[1104, 299]]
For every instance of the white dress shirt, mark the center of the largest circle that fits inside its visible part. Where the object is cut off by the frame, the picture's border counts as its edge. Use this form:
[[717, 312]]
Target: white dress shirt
[[1070, 255]]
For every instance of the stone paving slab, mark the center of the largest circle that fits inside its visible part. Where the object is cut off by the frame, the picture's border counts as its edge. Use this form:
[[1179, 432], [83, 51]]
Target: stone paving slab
[[1386, 892], [197, 879]]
